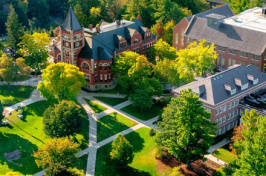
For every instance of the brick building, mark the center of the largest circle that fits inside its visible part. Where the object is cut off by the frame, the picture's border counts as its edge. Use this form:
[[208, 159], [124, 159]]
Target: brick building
[[225, 94], [94, 50], [239, 39]]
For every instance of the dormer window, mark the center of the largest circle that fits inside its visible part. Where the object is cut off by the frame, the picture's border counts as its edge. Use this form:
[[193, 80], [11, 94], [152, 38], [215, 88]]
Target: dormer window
[[78, 36], [245, 86], [122, 45], [65, 36], [256, 81], [233, 91], [136, 41], [148, 35], [214, 20]]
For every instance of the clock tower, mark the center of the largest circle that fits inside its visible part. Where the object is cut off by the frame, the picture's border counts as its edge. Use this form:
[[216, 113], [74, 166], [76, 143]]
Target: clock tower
[[71, 37]]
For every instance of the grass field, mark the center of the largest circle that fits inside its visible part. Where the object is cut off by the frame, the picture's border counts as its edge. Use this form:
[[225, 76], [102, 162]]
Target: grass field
[[225, 154], [112, 101], [14, 94], [143, 115], [27, 135], [95, 106], [144, 162], [111, 124]]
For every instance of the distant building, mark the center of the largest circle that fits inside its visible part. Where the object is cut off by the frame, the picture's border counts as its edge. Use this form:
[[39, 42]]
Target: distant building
[[94, 50], [225, 94], [239, 39]]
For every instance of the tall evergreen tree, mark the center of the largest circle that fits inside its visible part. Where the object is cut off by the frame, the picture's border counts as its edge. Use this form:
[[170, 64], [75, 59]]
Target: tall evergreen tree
[[1, 111], [185, 130], [14, 29]]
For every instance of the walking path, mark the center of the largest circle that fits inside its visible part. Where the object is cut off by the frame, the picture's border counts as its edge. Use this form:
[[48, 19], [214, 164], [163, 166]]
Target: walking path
[[219, 145], [29, 82]]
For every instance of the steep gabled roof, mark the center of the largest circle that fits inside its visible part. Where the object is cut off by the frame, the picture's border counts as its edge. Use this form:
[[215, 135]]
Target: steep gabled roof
[[71, 22], [214, 91]]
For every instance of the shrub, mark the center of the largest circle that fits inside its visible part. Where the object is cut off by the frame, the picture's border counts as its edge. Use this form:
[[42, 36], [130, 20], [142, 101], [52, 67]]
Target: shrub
[[152, 132]]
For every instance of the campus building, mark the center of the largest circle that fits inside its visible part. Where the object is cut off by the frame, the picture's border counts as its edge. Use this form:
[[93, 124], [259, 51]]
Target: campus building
[[239, 39], [227, 94], [94, 50]]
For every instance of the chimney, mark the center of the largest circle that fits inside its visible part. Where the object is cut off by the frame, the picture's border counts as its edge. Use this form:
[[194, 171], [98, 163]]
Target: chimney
[[97, 29], [90, 27], [117, 22]]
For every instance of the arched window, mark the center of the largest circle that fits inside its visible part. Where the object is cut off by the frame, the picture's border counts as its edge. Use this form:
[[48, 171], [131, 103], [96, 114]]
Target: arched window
[[85, 66], [136, 41], [59, 58]]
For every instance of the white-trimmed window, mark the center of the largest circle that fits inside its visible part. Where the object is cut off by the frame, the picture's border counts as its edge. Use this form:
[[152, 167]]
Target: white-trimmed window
[[236, 113], [176, 38], [233, 114], [228, 127], [110, 76], [216, 121], [95, 66], [223, 129], [105, 77], [224, 118], [233, 91], [101, 78], [219, 131], [236, 123], [220, 120], [245, 86], [221, 110], [229, 115], [256, 81], [217, 111], [233, 104], [224, 108], [237, 102], [229, 105]]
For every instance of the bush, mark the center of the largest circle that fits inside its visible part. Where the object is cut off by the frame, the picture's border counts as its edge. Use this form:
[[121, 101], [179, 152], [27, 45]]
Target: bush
[[64, 119], [152, 132], [160, 152], [20, 110]]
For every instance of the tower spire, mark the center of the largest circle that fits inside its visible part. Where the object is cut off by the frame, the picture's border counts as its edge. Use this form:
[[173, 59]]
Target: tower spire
[[71, 22]]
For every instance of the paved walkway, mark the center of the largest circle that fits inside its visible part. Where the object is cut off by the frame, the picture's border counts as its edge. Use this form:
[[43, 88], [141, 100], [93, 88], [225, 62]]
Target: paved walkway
[[216, 160], [29, 82], [219, 145], [35, 96]]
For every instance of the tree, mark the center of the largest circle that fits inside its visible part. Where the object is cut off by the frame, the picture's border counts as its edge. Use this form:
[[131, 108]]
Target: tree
[[33, 48], [13, 71], [61, 82], [63, 119], [95, 15], [57, 155], [195, 60], [14, 174], [14, 29], [162, 50], [185, 130], [251, 145], [176, 172], [122, 152], [196, 6], [240, 6], [124, 62], [168, 32], [133, 8], [82, 18]]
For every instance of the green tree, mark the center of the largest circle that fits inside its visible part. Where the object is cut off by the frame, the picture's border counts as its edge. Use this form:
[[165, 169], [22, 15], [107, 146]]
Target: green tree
[[14, 174], [1, 112], [61, 82], [251, 145], [168, 32], [11, 71], [95, 15], [185, 130], [124, 62], [162, 50], [81, 16], [33, 48], [195, 60], [122, 152], [176, 172], [63, 119], [57, 155], [134, 7], [14, 29], [239, 6], [196, 6]]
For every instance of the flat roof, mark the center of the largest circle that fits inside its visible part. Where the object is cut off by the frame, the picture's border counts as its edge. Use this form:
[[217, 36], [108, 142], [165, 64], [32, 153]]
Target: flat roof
[[250, 19]]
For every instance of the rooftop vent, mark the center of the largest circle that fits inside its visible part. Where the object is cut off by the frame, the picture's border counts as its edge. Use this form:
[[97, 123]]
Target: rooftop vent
[[214, 20]]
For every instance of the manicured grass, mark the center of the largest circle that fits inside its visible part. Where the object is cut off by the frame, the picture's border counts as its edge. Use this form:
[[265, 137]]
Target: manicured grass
[[112, 101], [82, 163], [27, 135], [144, 162], [95, 106], [143, 115], [14, 94], [112, 124], [225, 154], [111, 91]]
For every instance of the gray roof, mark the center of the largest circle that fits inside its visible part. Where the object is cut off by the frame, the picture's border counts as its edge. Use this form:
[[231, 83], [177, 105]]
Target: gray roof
[[71, 22], [227, 35], [224, 10], [212, 88], [106, 40]]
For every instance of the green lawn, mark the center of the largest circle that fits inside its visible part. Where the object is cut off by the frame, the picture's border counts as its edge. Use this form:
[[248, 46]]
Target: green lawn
[[95, 106], [112, 124], [111, 91], [144, 162], [14, 94], [143, 115], [112, 101], [27, 135], [82, 163], [225, 154]]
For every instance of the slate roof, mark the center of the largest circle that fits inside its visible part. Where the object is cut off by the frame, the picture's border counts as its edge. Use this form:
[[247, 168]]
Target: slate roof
[[224, 10], [106, 40], [71, 22], [227, 35], [215, 91]]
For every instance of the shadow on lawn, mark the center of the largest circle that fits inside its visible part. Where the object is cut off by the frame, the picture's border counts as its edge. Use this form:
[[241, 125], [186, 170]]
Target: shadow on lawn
[[26, 164]]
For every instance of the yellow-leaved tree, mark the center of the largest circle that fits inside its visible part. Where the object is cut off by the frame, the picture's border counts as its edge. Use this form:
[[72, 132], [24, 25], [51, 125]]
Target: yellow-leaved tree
[[34, 49], [195, 60], [61, 82]]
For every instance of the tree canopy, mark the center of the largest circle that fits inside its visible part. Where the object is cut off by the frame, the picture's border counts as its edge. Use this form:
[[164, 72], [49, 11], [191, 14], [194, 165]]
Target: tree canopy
[[195, 60], [185, 130], [251, 145], [239, 6], [62, 120], [61, 82]]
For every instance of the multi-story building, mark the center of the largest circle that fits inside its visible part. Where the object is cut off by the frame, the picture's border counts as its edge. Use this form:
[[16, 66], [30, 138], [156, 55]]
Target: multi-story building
[[224, 94], [94, 50], [239, 39]]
